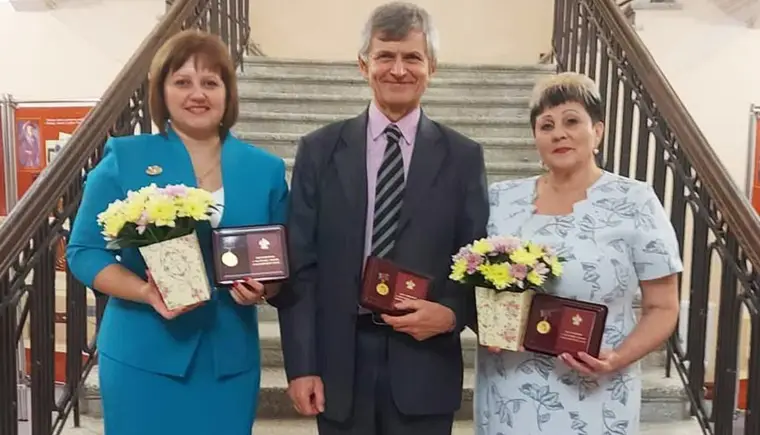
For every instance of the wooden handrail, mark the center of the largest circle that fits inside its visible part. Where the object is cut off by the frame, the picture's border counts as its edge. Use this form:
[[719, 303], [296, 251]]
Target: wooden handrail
[[736, 209], [35, 205]]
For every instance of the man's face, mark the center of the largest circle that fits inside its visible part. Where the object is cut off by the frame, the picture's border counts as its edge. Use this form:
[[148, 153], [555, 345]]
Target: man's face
[[398, 71]]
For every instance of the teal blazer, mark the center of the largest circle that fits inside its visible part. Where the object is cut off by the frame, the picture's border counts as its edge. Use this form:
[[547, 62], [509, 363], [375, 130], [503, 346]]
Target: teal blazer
[[255, 192]]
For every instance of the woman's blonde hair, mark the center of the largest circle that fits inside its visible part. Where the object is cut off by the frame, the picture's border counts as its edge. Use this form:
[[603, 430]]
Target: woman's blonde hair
[[566, 87], [209, 51]]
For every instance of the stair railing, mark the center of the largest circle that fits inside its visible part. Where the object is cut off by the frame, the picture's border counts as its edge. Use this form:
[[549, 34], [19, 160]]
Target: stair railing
[[652, 137], [31, 235]]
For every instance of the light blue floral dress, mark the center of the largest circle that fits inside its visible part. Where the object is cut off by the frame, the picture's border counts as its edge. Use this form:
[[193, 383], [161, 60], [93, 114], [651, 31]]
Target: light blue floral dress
[[614, 238]]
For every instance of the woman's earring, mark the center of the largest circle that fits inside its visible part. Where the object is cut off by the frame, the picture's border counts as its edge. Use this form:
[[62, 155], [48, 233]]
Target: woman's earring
[[596, 150]]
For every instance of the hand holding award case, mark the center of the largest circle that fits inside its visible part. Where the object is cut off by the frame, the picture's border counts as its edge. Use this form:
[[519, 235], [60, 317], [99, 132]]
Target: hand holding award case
[[258, 252], [557, 325], [386, 283]]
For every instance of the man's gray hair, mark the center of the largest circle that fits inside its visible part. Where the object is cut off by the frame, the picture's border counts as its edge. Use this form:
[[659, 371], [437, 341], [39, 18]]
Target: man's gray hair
[[394, 21]]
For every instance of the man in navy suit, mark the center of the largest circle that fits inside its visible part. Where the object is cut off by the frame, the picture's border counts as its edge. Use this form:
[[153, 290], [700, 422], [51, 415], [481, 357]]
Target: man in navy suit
[[394, 184]]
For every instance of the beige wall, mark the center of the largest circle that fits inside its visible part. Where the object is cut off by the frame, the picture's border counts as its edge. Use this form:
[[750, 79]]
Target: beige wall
[[73, 51], [483, 31]]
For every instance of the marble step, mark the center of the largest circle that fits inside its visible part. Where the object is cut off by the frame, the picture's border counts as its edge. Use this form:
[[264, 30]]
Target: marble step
[[494, 149], [271, 348], [303, 426], [663, 399], [254, 66], [357, 86], [350, 105], [302, 123]]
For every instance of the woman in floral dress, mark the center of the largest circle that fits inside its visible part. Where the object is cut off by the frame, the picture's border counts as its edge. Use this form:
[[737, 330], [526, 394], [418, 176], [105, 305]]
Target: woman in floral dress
[[617, 241]]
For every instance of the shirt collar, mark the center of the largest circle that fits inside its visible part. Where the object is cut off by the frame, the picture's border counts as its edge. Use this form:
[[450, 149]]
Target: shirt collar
[[408, 124]]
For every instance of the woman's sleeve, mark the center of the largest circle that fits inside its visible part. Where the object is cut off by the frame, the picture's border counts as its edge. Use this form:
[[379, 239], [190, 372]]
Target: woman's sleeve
[[655, 246], [279, 195], [86, 252]]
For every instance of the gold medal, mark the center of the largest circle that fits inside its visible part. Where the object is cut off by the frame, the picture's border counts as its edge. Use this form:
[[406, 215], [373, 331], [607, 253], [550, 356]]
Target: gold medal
[[229, 259], [543, 327], [382, 289]]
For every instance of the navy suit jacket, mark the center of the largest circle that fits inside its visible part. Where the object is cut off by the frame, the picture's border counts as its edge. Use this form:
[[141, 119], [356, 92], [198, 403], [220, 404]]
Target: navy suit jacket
[[445, 207], [255, 192]]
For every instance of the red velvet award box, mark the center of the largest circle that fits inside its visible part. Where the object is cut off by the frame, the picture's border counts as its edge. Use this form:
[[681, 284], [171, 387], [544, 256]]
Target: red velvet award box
[[557, 325], [386, 283], [258, 252]]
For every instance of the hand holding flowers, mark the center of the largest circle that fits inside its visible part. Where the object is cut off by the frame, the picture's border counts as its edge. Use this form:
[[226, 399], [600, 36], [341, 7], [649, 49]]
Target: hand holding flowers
[[160, 222], [506, 272]]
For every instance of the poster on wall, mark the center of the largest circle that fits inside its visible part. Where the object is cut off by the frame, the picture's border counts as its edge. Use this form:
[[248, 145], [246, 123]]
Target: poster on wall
[[753, 169], [41, 132], [3, 202]]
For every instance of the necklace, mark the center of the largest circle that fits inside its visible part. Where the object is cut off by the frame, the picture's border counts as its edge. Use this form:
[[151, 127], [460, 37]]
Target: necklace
[[217, 161], [202, 177]]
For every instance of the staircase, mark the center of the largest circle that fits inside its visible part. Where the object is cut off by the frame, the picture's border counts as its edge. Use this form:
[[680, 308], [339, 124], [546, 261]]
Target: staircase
[[284, 99], [664, 402]]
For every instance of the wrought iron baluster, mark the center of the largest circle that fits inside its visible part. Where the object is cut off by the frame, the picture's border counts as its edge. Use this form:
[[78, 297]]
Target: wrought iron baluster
[[8, 375], [42, 333], [726, 362], [752, 421]]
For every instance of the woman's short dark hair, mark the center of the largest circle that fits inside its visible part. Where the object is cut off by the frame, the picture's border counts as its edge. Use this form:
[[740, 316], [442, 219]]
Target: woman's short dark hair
[[208, 51], [566, 87]]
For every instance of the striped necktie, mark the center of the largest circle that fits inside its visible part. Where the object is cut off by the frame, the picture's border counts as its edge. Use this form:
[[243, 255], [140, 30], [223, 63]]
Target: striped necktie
[[389, 195]]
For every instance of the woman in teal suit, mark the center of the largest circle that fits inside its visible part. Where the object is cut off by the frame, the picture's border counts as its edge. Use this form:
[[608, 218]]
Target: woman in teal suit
[[195, 371]]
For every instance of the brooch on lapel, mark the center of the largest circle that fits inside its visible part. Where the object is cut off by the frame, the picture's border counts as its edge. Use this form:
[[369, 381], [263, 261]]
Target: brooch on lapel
[[153, 170]]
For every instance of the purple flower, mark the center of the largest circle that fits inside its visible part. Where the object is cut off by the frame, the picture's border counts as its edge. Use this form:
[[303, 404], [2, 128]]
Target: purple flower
[[541, 268], [519, 271], [464, 252], [505, 244], [547, 250], [175, 190], [473, 261]]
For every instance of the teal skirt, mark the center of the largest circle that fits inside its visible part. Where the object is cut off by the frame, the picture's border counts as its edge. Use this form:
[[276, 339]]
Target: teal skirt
[[137, 402]]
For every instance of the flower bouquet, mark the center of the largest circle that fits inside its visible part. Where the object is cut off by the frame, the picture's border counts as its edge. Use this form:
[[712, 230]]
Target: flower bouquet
[[506, 273], [160, 223]]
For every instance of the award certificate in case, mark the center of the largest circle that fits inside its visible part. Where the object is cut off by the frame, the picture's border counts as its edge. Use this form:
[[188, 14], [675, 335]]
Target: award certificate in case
[[258, 252], [557, 325], [386, 283]]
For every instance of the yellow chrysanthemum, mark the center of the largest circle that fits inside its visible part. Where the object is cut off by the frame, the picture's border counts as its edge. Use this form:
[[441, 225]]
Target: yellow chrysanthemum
[[524, 257], [458, 270], [556, 266], [133, 210], [112, 225], [194, 206], [535, 278], [112, 219], [160, 211], [534, 249], [482, 247], [497, 274]]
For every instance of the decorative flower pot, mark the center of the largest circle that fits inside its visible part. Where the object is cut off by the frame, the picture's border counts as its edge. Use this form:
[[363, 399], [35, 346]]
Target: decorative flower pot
[[502, 317], [179, 271]]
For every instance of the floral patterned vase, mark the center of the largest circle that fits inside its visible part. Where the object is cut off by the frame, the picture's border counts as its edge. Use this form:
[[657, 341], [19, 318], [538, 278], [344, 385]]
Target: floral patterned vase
[[502, 317], [179, 271]]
